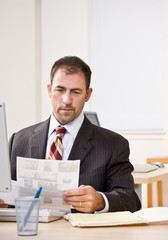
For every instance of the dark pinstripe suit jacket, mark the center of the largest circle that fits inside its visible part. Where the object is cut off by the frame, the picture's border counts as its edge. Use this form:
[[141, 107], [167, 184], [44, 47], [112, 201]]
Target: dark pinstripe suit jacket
[[104, 160]]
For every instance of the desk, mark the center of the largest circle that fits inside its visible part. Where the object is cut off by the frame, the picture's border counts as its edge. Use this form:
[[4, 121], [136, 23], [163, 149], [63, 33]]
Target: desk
[[148, 178], [61, 230]]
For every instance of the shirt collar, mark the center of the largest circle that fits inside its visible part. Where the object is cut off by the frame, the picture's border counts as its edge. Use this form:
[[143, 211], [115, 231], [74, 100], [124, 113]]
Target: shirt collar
[[72, 127]]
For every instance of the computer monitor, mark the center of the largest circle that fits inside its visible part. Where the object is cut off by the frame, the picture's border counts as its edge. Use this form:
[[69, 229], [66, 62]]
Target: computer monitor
[[93, 118], [5, 173]]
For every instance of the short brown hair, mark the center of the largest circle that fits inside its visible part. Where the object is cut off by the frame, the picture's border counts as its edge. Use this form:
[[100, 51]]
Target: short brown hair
[[72, 64]]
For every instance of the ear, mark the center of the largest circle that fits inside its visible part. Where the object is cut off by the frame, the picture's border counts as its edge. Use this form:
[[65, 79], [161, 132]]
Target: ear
[[49, 90], [88, 94]]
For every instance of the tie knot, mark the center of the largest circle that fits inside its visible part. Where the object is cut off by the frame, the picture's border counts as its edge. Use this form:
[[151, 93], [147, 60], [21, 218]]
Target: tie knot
[[60, 131]]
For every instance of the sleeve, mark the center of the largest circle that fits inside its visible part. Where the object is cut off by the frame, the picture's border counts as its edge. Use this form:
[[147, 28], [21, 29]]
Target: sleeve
[[106, 208], [119, 181]]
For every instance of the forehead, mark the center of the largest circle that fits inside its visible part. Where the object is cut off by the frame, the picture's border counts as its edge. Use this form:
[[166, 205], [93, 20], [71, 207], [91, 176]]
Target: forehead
[[71, 80]]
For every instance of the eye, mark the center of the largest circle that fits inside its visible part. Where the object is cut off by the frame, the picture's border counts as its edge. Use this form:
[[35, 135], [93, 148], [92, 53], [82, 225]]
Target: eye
[[59, 89], [76, 92]]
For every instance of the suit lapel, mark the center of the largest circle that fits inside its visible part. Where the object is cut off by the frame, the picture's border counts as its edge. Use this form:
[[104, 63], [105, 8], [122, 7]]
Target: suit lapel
[[83, 142], [81, 147], [38, 141]]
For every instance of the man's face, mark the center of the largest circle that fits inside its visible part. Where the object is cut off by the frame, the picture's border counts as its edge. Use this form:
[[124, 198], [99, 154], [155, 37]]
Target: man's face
[[68, 95]]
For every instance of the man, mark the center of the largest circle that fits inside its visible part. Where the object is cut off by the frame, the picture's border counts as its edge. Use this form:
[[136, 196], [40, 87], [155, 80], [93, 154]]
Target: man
[[105, 178]]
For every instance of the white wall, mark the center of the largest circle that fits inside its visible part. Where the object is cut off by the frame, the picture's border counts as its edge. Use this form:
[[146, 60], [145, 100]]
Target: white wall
[[64, 32], [35, 33], [127, 57], [17, 61]]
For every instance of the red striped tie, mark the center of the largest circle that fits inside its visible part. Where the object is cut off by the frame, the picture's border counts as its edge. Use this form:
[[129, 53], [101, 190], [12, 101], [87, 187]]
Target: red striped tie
[[56, 148]]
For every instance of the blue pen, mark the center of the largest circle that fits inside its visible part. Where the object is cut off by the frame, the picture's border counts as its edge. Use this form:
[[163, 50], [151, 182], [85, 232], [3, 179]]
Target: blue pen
[[30, 209], [38, 193]]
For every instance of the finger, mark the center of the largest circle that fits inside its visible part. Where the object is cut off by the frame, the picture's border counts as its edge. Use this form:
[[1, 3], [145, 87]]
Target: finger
[[82, 186], [83, 207], [75, 192], [3, 205], [70, 199], [78, 205]]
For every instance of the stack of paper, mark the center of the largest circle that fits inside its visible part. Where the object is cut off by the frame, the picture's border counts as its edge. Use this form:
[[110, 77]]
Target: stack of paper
[[104, 219], [144, 216], [144, 168], [154, 215]]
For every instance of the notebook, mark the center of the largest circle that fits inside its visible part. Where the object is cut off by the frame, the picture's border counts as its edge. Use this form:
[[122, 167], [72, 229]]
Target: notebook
[[45, 215], [104, 219]]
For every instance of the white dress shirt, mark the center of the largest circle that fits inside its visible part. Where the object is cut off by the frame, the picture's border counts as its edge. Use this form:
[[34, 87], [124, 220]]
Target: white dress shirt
[[69, 136], [72, 129]]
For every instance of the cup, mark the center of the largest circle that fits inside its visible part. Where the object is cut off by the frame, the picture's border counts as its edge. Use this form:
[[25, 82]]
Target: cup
[[27, 215]]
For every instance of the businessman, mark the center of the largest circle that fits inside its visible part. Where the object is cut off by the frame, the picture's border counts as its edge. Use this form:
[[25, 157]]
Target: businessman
[[105, 181]]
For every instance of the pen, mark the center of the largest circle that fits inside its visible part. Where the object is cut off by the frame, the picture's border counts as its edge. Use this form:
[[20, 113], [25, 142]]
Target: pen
[[30, 209], [38, 193]]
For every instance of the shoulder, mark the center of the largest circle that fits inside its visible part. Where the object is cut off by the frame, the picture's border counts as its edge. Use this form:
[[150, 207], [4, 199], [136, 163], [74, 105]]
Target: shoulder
[[103, 134], [109, 136], [30, 130], [107, 132]]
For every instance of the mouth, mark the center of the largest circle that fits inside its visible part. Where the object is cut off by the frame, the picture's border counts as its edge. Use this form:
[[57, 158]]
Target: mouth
[[66, 110]]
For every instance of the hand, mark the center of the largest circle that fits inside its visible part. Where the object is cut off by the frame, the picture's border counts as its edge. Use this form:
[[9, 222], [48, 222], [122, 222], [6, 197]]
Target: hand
[[2, 204], [84, 199]]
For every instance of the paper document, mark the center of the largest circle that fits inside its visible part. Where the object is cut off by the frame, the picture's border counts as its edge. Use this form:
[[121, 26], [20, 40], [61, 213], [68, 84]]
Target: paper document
[[52, 175], [144, 168], [154, 215], [104, 219]]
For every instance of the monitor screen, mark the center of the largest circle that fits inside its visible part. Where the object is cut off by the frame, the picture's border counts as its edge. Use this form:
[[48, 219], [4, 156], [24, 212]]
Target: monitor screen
[[93, 118], [5, 174]]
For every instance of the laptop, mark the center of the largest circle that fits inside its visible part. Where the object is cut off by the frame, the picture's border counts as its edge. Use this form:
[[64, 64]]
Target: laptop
[[5, 173]]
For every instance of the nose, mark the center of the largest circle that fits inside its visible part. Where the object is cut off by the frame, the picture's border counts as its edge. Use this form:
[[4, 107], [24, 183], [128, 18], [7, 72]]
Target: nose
[[67, 98]]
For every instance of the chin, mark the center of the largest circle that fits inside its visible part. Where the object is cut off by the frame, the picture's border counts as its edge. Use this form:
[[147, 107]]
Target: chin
[[66, 120]]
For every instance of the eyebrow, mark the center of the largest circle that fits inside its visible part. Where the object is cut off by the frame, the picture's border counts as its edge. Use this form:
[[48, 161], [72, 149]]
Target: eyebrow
[[72, 89]]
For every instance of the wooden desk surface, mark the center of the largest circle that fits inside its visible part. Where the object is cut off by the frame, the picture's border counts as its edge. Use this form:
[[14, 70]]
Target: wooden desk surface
[[61, 229], [150, 177]]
